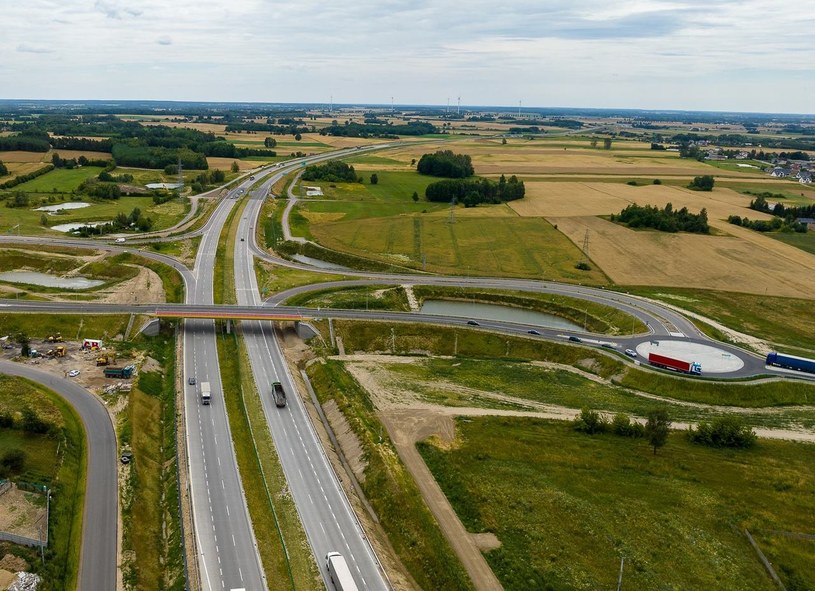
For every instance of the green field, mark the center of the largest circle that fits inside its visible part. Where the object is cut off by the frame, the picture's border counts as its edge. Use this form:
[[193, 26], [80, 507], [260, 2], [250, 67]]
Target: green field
[[487, 240], [164, 215], [59, 180], [392, 187], [567, 506]]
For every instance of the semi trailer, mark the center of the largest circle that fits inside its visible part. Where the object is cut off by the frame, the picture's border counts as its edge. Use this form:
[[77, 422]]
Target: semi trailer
[[663, 361], [339, 572], [791, 362]]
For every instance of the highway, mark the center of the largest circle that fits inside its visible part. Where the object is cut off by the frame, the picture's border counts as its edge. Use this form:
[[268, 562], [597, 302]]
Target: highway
[[325, 512], [98, 559], [227, 549]]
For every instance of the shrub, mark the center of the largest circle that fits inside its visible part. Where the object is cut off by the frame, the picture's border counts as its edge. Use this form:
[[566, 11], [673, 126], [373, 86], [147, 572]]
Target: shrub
[[13, 460], [32, 423], [590, 422], [728, 431], [621, 425], [6, 420]]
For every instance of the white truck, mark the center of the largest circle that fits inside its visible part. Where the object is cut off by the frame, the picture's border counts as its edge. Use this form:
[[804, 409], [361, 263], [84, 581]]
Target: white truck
[[206, 394], [339, 572]]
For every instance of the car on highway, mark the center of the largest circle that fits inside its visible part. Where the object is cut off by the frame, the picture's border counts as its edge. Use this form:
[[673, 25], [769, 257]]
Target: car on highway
[[243, 240], [473, 323], [631, 352], [251, 178], [191, 381], [120, 240], [73, 373], [126, 457], [575, 339], [533, 331]]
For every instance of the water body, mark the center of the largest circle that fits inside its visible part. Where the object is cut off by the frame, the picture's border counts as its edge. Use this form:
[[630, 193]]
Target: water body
[[317, 263], [61, 206], [44, 279], [496, 312], [76, 226]]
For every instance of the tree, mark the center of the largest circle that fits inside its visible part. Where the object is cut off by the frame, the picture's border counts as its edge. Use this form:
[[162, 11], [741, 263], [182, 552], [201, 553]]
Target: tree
[[44, 220], [656, 429], [702, 183], [504, 141], [298, 137], [590, 422], [270, 142], [607, 143], [3, 169], [374, 179], [235, 167], [13, 461], [415, 197], [727, 431], [593, 142], [22, 339]]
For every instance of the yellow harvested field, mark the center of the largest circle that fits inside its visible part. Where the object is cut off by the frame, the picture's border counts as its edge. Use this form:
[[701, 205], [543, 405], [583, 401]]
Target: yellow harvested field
[[18, 156], [745, 262], [77, 153], [553, 199], [226, 163], [19, 168]]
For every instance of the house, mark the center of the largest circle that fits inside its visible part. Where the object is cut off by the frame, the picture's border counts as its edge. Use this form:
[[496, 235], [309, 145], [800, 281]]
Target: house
[[805, 177], [810, 222], [779, 172], [742, 155]]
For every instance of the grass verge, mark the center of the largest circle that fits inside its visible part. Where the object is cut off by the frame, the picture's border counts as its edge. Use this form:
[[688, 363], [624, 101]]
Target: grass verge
[[152, 536], [411, 528]]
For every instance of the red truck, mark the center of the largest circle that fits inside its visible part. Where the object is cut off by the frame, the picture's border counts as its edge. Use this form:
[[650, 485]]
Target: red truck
[[675, 364]]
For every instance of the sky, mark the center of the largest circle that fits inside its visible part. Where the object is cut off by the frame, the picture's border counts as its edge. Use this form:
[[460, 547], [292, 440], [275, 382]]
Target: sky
[[719, 55]]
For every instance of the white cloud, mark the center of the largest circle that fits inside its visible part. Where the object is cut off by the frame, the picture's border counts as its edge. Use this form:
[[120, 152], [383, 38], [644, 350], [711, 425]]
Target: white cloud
[[635, 53]]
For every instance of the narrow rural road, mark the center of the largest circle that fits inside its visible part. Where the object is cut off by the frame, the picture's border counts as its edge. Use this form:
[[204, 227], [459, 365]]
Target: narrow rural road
[[97, 565]]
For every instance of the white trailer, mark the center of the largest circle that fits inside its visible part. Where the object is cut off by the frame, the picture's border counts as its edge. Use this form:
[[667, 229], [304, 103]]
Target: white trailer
[[206, 395], [339, 572]]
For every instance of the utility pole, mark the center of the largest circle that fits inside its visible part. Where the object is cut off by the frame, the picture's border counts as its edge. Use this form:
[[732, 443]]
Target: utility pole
[[620, 580]]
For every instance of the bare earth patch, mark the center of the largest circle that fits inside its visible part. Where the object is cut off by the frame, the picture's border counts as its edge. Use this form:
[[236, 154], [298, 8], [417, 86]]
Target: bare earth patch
[[20, 513]]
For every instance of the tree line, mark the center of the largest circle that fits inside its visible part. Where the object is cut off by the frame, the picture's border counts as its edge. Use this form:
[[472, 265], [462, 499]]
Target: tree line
[[447, 164], [350, 129], [790, 213], [333, 171], [664, 220], [773, 225], [472, 192]]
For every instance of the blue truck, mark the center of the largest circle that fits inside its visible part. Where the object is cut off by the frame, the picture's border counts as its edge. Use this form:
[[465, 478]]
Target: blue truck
[[791, 362]]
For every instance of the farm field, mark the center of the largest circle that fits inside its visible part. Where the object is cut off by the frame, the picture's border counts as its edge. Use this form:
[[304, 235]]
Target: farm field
[[60, 180], [726, 263], [488, 240], [566, 506], [393, 186]]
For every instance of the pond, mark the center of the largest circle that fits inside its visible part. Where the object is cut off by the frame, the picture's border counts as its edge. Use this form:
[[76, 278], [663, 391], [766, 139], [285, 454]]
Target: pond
[[495, 312], [46, 280], [60, 206], [300, 258], [75, 226]]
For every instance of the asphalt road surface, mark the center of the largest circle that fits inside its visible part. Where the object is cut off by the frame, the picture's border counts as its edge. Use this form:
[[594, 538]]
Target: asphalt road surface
[[97, 566]]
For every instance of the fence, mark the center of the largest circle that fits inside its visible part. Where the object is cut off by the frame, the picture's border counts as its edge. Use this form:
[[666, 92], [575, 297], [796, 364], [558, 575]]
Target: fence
[[42, 542]]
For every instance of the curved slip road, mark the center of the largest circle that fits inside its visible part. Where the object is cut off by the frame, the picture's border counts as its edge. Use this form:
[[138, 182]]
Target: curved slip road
[[100, 520]]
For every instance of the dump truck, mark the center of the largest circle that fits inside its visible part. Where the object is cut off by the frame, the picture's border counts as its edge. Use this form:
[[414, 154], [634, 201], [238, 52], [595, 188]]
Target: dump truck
[[120, 372], [279, 394], [691, 367], [54, 338], [58, 351], [791, 362], [206, 394]]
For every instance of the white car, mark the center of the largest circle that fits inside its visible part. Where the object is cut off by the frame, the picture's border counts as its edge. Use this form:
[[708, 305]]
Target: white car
[[73, 373], [631, 352], [120, 240]]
